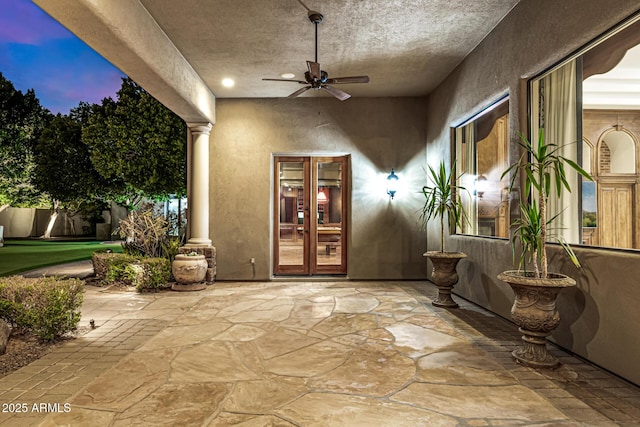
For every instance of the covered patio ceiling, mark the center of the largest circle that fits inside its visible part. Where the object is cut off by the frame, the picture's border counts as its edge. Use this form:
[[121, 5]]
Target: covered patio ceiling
[[407, 47]]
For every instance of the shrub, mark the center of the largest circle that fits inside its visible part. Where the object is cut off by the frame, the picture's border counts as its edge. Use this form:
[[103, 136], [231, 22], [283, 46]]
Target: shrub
[[130, 248], [146, 274], [148, 233], [145, 232], [171, 247], [47, 306], [155, 274], [99, 260], [116, 269]]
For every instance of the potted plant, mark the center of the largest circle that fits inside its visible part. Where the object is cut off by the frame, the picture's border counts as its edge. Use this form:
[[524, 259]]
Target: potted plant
[[441, 200], [534, 309]]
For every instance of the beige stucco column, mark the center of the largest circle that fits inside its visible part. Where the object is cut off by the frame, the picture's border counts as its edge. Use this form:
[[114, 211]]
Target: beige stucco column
[[198, 184]]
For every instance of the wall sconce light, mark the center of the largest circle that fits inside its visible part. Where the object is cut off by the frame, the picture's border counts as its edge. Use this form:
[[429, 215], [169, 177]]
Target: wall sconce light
[[481, 186], [392, 184]]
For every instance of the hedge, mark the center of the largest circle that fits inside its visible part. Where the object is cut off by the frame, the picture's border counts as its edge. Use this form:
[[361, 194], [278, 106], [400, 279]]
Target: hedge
[[47, 306], [146, 274]]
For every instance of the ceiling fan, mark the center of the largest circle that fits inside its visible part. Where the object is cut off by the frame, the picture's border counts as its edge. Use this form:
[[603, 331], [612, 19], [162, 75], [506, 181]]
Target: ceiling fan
[[317, 79]]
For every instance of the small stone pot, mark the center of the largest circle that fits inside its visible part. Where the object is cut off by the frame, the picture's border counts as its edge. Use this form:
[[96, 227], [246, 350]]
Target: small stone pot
[[444, 275], [534, 311], [190, 272]]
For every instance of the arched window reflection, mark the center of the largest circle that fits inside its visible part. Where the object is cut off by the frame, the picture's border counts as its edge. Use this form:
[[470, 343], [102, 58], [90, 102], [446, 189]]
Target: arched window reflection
[[617, 152], [616, 186]]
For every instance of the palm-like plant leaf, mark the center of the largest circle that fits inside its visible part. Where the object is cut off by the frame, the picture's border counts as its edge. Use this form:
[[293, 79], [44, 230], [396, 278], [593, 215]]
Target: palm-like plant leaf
[[527, 231], [441, 200], [542, 168]]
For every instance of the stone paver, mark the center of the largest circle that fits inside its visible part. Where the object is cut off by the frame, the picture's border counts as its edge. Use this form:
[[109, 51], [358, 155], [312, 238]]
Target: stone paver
[[304, 354]]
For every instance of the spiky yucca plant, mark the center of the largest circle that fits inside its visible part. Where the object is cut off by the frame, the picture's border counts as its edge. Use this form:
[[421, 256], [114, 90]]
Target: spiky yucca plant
[[441, 200], [544, 169]]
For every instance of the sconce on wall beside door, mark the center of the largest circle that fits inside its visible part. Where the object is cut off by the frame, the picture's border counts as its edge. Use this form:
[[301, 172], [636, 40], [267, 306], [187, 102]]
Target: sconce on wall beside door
[[481, 186], [392, 184]]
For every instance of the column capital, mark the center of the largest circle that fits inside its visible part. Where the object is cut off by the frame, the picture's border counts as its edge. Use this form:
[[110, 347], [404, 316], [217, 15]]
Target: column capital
[[202, 128]]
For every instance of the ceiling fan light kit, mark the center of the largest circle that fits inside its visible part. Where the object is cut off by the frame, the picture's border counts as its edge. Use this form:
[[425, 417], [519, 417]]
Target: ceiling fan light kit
[[318, 79]]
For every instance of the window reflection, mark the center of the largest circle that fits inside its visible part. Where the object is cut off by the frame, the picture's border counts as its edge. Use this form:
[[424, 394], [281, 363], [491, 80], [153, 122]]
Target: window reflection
[[555, 111], [612, 223], [617, 152], [589, 199], [329, 215], [592, 97], [482, 156]]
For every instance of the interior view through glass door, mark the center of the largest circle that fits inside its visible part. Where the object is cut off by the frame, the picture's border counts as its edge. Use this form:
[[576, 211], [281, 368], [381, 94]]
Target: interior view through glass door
[[306, 243]]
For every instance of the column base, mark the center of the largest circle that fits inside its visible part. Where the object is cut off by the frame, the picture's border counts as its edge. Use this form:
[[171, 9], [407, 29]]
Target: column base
[[198, 242]]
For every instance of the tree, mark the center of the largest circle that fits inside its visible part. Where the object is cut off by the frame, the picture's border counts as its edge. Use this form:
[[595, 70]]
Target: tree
[[22, 120], [139, 142], [64, 170]]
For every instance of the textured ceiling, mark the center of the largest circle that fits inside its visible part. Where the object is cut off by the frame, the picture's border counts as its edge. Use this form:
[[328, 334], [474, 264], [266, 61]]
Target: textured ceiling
[[406, 47]]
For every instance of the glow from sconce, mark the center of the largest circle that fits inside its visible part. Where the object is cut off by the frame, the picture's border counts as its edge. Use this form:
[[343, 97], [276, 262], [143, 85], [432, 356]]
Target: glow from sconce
[[392, 184], [228, 82], [481, 185]]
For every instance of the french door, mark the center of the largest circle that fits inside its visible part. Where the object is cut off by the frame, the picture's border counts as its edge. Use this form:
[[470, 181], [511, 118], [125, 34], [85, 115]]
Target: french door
[[310, 215]]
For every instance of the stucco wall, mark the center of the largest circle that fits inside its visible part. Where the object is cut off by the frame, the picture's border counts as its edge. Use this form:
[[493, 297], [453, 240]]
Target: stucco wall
[[384, 240], [31, 222], [600, 320], [17, 222]]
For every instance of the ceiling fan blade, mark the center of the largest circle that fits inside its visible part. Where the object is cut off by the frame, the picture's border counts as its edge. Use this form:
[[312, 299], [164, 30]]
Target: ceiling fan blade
[[314, 70], [302, 82], [299, 92], [340, 94], [353, 79]]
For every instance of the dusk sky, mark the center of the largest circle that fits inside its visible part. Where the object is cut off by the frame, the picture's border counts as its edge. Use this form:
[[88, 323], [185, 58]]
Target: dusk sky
[[36, 52]]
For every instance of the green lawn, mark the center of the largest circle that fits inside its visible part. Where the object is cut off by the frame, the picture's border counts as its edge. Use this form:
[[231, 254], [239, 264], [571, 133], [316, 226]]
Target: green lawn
[[21, 255]]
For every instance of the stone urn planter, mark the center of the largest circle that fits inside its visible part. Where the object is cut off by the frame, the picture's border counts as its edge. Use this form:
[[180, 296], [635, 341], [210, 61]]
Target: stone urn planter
[[189, 271], [534, 311], [444, 275]]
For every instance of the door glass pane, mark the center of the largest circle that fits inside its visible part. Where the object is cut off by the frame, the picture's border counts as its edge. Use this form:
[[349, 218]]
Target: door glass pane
[[291, 214], [329, 238]]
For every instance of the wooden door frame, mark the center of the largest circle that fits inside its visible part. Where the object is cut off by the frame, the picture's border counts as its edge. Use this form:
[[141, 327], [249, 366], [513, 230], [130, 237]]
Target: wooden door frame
[[306, 169], [330, 269], [310, 265]]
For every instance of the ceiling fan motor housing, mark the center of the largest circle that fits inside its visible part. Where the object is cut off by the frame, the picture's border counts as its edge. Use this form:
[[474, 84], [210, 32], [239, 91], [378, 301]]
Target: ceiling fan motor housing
[[323, 77]]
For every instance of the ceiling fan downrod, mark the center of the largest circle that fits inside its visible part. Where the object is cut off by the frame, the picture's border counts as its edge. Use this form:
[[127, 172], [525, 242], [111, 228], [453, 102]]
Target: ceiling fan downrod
[[315, 18]]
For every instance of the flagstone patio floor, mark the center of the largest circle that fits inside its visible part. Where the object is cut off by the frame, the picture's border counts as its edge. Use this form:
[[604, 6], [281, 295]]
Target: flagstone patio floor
[[303, 354]]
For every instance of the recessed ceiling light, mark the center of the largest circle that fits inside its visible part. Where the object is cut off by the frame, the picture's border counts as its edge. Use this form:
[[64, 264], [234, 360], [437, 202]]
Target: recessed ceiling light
[[228, 82], [287, 75]]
